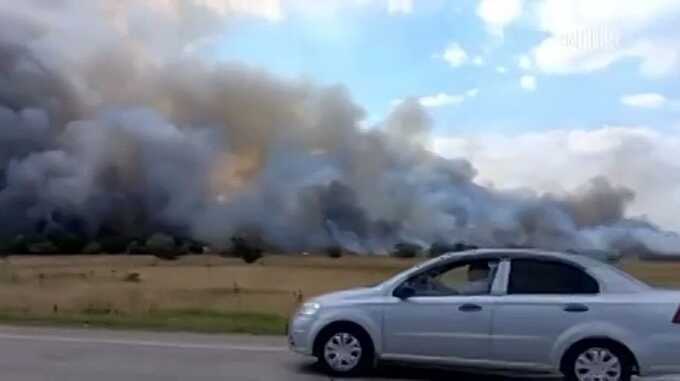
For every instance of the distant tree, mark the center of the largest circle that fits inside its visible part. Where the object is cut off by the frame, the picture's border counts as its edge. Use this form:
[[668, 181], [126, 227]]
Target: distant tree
[[247, 247], [136, 247], [190, 246], [406, 250], [5, 248], [67, 243], [162, 246], [114, 244], [43, 248], [93, 247], [32, 244], [439, 248], [334, 251], [20, 243]]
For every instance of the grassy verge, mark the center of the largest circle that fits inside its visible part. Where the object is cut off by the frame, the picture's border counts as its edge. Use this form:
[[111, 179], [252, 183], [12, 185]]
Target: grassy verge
[[164, 320]]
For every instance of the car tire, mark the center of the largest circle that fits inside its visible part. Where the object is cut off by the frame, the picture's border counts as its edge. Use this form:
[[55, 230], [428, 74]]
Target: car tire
[[600, 360], [344, 350]]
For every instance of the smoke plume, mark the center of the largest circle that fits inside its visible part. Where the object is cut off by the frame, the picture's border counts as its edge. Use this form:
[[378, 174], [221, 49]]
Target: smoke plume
[[111, 124]]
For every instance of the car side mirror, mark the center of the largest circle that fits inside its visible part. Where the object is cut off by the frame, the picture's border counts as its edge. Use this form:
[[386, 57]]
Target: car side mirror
[[404, 292]]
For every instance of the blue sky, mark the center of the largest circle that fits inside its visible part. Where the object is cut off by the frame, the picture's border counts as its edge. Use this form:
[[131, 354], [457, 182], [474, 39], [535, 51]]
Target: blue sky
[[382, 56]]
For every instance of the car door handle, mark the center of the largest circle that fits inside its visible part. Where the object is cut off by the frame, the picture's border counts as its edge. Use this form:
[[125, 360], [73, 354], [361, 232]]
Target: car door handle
[[576, 308], [470, 308]]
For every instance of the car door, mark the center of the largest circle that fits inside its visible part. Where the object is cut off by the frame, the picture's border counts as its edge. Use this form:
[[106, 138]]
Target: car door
[[545, 298], [449, 326]]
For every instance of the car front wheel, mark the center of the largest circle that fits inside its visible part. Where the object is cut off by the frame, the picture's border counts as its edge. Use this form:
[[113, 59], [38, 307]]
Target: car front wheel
[[345, 351], [598, 363]]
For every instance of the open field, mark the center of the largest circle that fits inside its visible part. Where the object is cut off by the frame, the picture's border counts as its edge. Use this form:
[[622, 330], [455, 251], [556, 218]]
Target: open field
[[198, 293]]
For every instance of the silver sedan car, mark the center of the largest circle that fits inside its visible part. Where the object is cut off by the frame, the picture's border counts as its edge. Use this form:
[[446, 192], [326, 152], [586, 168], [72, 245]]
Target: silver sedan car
[[516, 310]]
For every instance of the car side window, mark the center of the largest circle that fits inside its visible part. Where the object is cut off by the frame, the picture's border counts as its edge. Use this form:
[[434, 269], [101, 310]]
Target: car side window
[[461, 278], [530, 276]]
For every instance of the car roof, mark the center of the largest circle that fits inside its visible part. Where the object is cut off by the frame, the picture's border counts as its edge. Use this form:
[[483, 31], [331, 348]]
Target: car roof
[[579, 259]]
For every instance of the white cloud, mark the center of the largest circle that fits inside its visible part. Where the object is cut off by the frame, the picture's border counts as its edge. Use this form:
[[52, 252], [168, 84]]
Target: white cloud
[[441, 99], [586, 35], [524, 62], [275, 10], [497, 14], [472, 92], [644, 100], [501, 69], [639, 158], [268, 9], [528, 82], [400, 6], [455, 55]]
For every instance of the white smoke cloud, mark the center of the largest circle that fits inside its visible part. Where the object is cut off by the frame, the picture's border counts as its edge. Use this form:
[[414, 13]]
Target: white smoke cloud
[[109, 127], [558, 161]]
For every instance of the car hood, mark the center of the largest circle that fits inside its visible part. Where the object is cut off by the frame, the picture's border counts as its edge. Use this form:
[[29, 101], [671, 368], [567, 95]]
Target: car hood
[[352, 294]]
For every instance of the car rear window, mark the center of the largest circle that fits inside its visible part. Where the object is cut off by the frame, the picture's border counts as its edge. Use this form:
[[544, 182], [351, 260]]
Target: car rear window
[[529, 276]]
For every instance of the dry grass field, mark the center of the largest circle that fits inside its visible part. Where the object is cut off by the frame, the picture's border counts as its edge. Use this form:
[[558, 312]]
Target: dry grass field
[[117, 287]]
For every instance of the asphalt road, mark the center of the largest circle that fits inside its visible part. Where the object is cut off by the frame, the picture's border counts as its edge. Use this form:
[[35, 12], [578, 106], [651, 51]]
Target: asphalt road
[[37, 354]]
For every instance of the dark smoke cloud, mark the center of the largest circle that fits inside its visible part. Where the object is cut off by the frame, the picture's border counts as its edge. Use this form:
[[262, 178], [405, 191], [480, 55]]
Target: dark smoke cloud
[[110, 125]]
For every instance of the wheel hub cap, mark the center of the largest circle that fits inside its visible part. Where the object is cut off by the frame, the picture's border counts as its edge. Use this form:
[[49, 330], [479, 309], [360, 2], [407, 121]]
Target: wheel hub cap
[[342, 352], [598, 364]]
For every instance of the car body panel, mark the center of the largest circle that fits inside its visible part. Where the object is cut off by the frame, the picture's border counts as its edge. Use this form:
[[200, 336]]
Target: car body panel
[[518, 336], [360, 306], [449, 332], [525, 332]]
